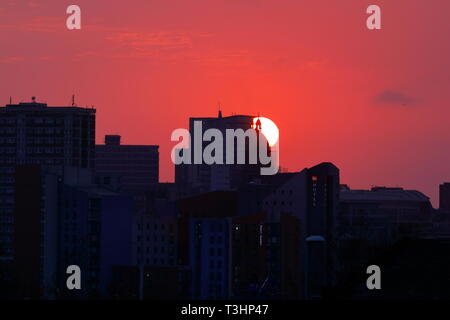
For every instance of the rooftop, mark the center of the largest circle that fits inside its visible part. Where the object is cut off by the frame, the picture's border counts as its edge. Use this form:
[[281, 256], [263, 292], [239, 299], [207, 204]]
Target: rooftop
[[40, 106], [382, 194]]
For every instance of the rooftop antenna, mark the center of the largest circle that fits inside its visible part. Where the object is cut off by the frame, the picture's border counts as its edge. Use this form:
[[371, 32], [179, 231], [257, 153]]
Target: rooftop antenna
[[33, 99], [258, 124], [220, 111], [73, 100], [10, 100]]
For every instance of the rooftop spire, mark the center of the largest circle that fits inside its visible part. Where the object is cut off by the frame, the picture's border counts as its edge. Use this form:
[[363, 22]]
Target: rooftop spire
[[258, 124], [220, 111]]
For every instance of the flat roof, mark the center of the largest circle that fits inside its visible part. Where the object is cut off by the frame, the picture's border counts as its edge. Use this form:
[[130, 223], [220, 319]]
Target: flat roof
[[383, 195], [39, 107]]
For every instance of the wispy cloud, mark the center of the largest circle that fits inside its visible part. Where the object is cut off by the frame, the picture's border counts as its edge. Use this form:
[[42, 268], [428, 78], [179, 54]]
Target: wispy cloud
[[34, 4], [12, 59], [395, 98], [38, 24], [145, 40]]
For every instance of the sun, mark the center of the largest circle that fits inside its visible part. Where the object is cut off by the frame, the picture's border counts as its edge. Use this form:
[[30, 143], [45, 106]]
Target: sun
[[269, 129]]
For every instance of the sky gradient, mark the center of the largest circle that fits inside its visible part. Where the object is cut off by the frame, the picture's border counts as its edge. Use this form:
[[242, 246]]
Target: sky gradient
[[375, 103]]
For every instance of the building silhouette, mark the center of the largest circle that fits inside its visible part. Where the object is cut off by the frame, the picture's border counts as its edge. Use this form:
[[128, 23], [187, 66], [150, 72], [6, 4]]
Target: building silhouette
[[200, 178], [34, 134], [126, 166], [444, 197], [285, 222], [218, 232], [371, 222]]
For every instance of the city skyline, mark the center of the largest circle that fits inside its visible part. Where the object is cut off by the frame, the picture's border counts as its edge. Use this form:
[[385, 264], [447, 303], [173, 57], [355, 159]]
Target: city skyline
[[375, 103], [67, 202]]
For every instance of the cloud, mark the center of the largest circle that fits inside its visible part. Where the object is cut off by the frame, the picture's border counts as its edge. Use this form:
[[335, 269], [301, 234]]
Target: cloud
[[12, 59], [394, 97], [38, 24], [33, 4], [146, 40]]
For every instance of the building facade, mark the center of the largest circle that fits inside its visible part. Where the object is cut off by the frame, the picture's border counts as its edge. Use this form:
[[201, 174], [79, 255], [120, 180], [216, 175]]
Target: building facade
[[444, 197], [36, 134], [128, 166], [201, 178]]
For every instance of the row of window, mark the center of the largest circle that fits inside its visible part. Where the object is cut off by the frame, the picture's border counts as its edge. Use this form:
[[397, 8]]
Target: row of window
[[156, 261], [156, 226], [157, 250], [274, 203], [215, 276], [215, 252], [215, 264], [155, 238]]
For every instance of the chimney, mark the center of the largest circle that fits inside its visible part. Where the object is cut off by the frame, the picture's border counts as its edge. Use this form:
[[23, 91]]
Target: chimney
[[112, 140]]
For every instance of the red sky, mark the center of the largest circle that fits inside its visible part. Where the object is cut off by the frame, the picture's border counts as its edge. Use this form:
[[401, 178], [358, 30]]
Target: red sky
[[375, 103]]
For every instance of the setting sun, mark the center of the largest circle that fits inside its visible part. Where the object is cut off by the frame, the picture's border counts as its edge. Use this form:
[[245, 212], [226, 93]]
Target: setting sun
[[269, 129]]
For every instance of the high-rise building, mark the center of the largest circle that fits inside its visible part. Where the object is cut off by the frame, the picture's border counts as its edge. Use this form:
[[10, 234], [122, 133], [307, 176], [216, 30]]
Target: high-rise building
[[200, 178], [96, 235], [444, 196], [64, 220], [155, 232], [285, 225], [126, 166], [204, 242], [370, 221], [312, 197], [35, 134], [265, 256]]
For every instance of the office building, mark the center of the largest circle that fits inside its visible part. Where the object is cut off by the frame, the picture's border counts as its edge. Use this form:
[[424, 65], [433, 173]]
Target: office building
[[444, 197], [126, 166], [204, 242], [265, 256], [311, 196], [63, 220], [201, 178], [36, 134], [372, 221]]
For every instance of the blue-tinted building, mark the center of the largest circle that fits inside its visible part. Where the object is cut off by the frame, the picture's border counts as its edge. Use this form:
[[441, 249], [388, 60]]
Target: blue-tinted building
[[96, 234]]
